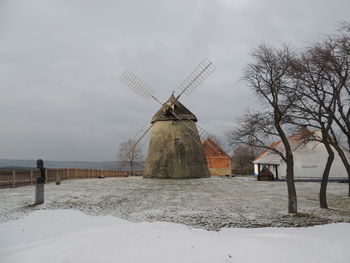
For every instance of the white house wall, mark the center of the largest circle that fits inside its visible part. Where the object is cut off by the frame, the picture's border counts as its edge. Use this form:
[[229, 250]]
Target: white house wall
[[309, 162], [256, 171]]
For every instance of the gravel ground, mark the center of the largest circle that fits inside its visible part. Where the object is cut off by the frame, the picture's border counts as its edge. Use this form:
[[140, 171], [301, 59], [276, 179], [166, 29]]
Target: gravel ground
[[210, 203]]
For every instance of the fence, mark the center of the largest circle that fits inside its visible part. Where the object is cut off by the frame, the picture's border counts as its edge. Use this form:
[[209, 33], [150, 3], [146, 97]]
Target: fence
[[13, 178]]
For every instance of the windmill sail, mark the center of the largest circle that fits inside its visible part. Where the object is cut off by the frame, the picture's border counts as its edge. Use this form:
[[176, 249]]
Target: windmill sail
[[140, 87], [142, 135], [197, 76]]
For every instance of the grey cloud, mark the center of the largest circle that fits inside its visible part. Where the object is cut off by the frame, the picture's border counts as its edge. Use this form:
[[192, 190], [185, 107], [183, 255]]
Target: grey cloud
[[60, 62]]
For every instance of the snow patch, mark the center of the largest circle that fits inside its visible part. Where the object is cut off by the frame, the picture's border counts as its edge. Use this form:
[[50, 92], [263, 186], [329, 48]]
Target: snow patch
[[72, 236]]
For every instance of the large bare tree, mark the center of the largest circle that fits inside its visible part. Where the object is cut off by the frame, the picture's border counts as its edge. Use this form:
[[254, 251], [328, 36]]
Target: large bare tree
[[339, 67], [130, 154], [269, 75], [322, 75], [336, 59], [315, 106], [311, 90]]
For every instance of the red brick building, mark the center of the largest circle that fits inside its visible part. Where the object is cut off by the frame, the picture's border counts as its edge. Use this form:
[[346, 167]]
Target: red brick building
[[219, 162]]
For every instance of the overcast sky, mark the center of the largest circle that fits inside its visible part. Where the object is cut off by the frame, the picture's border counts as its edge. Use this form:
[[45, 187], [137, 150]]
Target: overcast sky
[[60, 61]]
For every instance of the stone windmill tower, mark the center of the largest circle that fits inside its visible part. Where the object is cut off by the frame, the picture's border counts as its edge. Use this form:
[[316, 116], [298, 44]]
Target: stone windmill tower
[[175, 149]]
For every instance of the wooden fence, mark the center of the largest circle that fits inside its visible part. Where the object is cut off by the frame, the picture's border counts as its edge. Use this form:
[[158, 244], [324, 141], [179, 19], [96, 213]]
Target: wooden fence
[[14, 178]]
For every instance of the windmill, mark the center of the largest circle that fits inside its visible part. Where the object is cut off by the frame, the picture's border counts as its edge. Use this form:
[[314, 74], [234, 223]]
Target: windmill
[[175, 149]]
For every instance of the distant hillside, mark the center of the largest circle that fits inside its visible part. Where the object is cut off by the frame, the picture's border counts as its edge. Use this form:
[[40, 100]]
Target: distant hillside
[[22, 164]]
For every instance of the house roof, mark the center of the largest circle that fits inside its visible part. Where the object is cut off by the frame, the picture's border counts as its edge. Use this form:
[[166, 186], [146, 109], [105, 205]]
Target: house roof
[[270, 157], [212, 149], [166, 114]]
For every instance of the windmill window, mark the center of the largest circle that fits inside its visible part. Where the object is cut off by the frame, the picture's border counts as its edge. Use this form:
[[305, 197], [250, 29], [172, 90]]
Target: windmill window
[[177, 141]]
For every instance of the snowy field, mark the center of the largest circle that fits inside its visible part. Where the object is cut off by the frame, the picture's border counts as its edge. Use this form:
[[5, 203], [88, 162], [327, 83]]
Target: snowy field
[[69, 236], [116, 222], [211, 203]]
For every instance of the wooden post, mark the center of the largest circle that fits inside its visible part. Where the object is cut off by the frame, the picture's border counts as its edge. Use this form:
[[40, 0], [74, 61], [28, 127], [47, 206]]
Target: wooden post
[[46, 173], [13, 178], [31, 177], [67, 175], [57, 179]]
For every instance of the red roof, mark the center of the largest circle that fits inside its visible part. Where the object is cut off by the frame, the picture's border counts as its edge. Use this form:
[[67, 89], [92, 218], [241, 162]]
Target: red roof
[[272, 145], [295, 140], [211, 148]]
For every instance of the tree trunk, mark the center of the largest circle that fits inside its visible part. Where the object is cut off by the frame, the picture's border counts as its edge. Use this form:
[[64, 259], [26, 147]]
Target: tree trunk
[[348, 170], [345, 162], [292, 195], [325, 176], [132, 168]]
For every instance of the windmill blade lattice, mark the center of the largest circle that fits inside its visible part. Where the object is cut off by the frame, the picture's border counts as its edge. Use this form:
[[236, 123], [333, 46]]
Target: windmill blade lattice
[[198, 75], [131, 81], [204, 135], [142, 135]]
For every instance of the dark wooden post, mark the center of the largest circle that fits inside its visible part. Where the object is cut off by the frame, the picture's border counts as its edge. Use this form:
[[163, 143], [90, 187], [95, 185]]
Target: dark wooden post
[[13, 178], [31, 177], [39, 187], [58, 178]]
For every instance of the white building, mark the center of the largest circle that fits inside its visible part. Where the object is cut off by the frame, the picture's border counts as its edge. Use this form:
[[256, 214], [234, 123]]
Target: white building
[[309, 160]]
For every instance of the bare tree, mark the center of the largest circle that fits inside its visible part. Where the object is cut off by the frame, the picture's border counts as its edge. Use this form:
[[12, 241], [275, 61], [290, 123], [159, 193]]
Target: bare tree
[[339, 68], [316, 105], [243, 157], [337, 61], [268, 76], [130, 154], [255, 129], [322, 77]]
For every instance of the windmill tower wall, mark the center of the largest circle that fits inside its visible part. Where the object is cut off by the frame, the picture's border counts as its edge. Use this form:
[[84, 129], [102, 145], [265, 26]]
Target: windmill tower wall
[[175, 151]]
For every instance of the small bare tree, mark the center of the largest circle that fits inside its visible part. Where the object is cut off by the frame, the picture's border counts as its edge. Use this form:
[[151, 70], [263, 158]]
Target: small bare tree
[[243, 156], [130, 154]]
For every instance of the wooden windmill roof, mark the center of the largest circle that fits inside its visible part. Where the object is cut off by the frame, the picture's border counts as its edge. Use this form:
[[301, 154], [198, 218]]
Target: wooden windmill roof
[[164, 114]]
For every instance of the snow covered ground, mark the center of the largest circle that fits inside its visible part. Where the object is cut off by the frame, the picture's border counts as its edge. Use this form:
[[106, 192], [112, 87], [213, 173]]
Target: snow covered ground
[[210, 203], [72, 236]]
